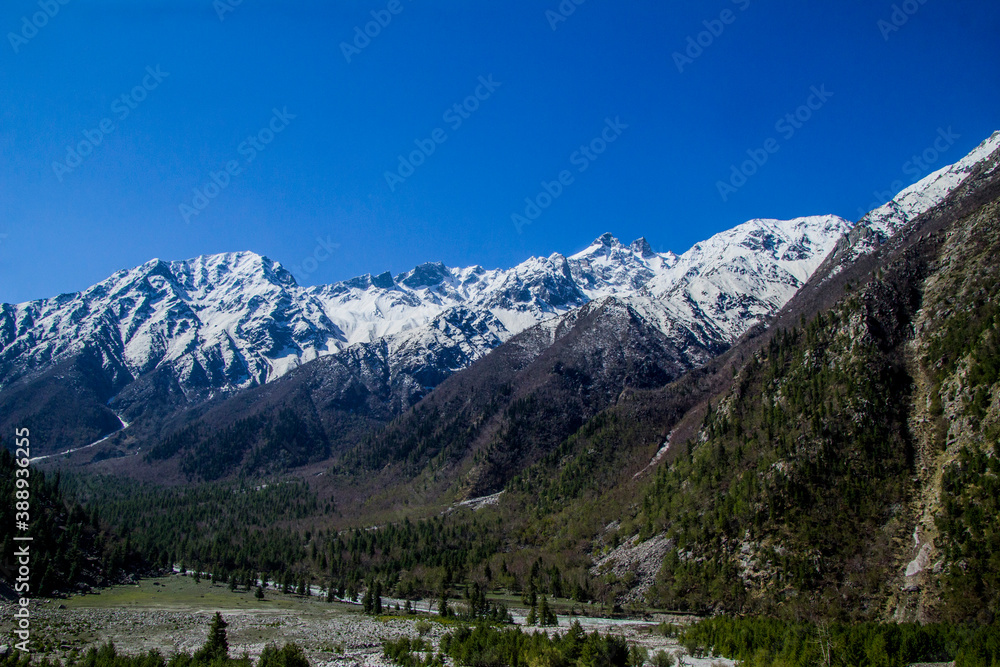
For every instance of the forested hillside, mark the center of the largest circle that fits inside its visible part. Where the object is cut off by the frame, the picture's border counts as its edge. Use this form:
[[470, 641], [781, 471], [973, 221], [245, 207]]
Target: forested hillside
[[839, 465], [71, 548], [483, 426], [851, 470]]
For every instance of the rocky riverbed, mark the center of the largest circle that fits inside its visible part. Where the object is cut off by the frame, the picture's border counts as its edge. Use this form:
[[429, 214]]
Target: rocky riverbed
[[172, 614]]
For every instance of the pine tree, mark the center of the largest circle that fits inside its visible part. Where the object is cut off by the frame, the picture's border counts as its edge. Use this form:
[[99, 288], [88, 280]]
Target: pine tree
[[367, 603], [529, 595], [556, 582], [545, 614], [443, 609], [217, 646], [478, 605], [290, 656], [377, 602]]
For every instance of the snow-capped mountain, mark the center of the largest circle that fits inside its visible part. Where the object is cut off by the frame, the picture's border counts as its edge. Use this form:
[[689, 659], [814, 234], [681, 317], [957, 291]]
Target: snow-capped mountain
[[218, 324], [884, 222], [236, 320], [737, 279], [239, 319]]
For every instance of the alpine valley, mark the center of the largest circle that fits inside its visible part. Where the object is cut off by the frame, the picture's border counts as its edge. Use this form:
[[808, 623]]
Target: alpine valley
[[795, 418]]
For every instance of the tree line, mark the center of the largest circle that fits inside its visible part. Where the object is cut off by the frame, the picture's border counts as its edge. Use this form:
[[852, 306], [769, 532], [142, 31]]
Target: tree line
[[767, 642]]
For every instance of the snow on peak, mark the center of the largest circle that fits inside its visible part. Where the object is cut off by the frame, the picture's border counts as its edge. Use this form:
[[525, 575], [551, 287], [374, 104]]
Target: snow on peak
[[233, 320], [601, 246], [609, 247], [642, 248], [607, 240], [723, 286], [927, 193], [238, 319], [425, 275], [228, 270]]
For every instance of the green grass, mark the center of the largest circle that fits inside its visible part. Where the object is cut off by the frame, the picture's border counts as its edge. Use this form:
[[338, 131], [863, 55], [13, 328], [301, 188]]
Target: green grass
[[178, 595], [561, 606], [182, 593]]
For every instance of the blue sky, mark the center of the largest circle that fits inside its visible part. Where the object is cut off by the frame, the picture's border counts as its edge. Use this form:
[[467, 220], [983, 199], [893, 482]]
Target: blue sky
[[271, 81]]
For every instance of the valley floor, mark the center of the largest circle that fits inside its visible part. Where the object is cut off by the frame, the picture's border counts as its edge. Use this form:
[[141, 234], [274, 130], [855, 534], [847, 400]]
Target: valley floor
[[171, 614]]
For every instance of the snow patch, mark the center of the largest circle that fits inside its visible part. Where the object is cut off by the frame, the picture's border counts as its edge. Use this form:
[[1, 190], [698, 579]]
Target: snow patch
[[124, 424]]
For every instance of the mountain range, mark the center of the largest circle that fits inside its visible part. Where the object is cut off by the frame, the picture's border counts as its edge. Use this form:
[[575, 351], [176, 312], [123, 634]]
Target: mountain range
[[798, 418], [173, 335], [149, 345]]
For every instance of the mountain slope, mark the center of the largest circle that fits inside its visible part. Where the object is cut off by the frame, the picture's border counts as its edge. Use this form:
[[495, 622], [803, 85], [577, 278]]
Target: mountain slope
[[739, 278], [164, 338], [848, 469], [731, 264], [71, 550], [838, 461], [483, 425]]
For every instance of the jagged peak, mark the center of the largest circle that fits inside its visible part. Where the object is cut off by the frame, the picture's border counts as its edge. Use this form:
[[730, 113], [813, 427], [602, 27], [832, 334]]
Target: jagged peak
[[427, 274], [642, 248], [602, 245], [208, 270], [383, 280]]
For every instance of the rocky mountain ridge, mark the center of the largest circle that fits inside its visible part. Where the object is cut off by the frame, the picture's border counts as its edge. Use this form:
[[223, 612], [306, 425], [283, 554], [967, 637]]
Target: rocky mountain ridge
[[179, 333]]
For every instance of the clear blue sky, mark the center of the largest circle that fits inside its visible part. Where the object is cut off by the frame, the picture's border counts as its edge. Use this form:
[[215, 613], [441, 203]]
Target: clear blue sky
[[323, 175]]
